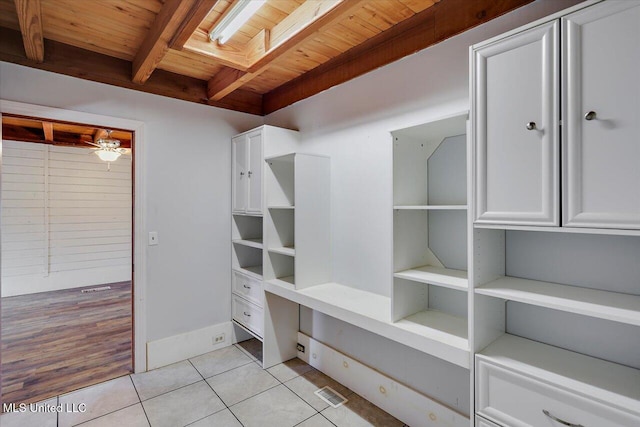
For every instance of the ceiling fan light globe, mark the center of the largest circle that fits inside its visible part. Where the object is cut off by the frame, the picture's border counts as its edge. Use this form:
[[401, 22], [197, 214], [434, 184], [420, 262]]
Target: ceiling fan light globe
[[107, 156]]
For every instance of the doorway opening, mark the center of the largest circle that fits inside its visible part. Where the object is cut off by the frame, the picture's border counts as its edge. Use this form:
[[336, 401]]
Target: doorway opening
[[66, 257]]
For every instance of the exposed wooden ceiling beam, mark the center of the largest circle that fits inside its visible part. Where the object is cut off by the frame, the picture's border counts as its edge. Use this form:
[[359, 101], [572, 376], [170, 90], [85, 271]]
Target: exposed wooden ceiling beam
[[426, 28], [313, 17], [30, 18], [84, 64], [47, 127], [196, 15], [156, 44], [224, 82]]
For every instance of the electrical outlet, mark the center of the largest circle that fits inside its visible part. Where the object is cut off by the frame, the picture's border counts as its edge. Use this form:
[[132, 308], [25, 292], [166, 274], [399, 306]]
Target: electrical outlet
[[300, 348], [218, 339]]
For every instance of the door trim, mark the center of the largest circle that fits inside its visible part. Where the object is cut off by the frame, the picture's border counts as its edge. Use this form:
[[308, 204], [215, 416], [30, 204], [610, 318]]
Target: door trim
[[140, 199]]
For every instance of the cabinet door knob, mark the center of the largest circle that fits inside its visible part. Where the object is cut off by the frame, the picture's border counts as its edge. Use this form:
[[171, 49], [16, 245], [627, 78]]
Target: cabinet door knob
[[531, 125], [247, 287], [558, 420], [241, 173], [246, 314], [249, 173], [590, 115]]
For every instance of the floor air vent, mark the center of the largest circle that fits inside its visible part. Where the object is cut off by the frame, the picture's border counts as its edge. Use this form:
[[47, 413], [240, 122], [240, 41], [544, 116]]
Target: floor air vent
[[331, 396], [101, 288]]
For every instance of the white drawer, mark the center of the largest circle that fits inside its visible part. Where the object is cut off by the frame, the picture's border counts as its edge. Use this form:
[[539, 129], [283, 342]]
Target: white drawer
[[247, 287], [515, 399], [481, 422], [247, 314]]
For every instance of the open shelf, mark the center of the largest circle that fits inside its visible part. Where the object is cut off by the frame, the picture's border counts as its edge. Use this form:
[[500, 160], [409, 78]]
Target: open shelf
[[433, 333], [439, 326], [288, 251], [439, 276], [254, 271], [618, 307], [281, 207], [247, 330], [431, 207], [252, 243], [594, 378]]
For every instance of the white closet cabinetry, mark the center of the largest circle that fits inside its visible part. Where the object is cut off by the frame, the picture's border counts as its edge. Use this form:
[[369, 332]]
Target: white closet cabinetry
[[556, 309], [247, 172], [247, 229], [601, 148], [516, 126], [516, 122]]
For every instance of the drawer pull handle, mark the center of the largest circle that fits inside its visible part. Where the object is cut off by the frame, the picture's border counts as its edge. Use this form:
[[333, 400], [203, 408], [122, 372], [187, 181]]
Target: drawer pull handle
[[246, 287], [249, 315], [563, 422], [531, 125]]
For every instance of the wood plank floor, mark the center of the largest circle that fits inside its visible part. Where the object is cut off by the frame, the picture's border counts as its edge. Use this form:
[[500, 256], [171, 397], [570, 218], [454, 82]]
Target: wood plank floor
[[56, 342]]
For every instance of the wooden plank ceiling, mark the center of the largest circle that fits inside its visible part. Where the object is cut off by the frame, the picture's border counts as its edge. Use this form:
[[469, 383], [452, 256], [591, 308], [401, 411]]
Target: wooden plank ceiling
[[27, 129], [287, 51]]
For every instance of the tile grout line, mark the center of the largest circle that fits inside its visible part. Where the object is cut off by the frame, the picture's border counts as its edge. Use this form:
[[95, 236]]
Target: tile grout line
[[235, 367], [111, 412], [100, 416], [217, 395], [223, 402], [140, 399], [108, 413]]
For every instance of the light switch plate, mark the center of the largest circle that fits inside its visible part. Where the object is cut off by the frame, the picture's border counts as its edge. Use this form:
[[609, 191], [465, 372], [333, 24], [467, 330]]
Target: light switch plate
[[153, 238]]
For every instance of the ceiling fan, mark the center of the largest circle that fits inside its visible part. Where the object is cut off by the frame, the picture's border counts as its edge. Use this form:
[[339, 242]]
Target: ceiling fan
[[107, 147]]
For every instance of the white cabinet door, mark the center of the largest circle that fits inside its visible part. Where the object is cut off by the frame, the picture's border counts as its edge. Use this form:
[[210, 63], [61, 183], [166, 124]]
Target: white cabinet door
[[515, 123], [239, 170], [255, 172], [601, 159]]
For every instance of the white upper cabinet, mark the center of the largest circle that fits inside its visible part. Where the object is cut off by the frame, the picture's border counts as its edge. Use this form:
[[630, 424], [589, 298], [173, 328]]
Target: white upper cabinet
[[239, 171], [515, 125], [601, 103], [255, 173], [247, 173]]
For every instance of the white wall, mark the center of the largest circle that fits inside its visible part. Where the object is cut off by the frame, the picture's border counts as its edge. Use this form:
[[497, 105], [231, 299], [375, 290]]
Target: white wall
[[188, 168], [66, 218], [351, 123]]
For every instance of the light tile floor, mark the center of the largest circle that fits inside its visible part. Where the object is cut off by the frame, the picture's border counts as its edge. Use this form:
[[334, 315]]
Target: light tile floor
[[224, 388]]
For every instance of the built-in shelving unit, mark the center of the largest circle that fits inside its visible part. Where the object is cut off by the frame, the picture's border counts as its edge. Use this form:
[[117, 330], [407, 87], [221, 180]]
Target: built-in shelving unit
[[297, 233], [248, 245], [555, 241], [430, 284]]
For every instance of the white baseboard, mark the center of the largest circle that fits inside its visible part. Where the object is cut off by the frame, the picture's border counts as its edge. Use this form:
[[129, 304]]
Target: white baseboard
[[187, 345], [407, 405]]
